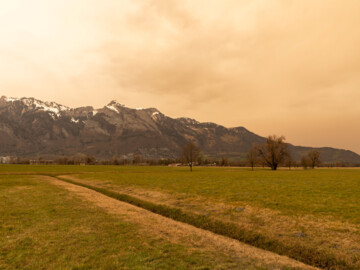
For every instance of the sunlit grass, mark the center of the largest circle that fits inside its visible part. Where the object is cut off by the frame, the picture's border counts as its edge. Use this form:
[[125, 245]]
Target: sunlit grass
[[324, 192], [316, 210], [44, 227]]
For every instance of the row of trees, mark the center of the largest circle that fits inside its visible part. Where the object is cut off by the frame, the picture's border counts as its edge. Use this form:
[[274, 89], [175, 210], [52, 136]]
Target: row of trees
[[311, 160], [274, 152], [136, 159]]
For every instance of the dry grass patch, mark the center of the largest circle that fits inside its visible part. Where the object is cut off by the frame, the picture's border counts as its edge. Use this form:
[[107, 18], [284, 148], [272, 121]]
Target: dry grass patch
[[329, 237], [178, 232], [44, 226]]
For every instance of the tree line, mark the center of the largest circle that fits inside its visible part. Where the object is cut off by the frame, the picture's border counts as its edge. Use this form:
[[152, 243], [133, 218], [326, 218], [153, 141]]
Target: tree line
[[272, 153]]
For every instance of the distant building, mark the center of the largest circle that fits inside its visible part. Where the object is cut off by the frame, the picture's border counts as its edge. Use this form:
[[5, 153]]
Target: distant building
[[174, 164], [5, 160], [211, 164], [41, 162]]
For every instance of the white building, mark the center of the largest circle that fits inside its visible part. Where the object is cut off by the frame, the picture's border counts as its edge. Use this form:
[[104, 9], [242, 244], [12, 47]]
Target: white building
[[5, 160]]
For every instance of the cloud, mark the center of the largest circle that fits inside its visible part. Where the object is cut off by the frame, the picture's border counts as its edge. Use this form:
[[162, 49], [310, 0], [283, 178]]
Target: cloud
[[273, 66], [288, 48]]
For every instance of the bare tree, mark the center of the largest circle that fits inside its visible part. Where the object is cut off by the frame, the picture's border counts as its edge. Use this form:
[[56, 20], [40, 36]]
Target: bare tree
[[115, 160], [289, 162], [304, 162], [190, 153], [252, 157], [90, 160], [79, 159], [200, 160], [314, 158], [273, 152], [137, 158], [224, 162]]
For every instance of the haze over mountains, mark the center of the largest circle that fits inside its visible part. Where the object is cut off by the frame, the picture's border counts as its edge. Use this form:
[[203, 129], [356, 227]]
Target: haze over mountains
[[33, 128]]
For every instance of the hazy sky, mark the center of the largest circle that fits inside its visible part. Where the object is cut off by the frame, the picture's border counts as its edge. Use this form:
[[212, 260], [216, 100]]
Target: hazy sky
[[281, 67]]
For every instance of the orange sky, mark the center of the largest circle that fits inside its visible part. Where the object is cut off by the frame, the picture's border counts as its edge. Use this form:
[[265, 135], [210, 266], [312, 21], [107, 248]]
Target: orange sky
[[273, 66]]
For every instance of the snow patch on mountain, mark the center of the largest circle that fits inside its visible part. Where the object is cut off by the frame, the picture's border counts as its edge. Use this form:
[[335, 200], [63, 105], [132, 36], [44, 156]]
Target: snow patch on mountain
[[188, 121], [51, 107], [155, 115], [10, 99], [113, 108], [74, 120]]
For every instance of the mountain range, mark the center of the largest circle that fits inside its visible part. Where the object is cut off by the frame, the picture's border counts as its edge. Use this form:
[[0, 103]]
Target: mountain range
[[34, 128]]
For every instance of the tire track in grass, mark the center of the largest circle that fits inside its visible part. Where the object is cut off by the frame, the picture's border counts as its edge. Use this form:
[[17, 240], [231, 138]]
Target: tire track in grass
[[309, 256], [179, 232]]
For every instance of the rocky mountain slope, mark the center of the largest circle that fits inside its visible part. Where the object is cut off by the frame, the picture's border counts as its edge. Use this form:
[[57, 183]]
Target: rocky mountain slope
[[33, 128]]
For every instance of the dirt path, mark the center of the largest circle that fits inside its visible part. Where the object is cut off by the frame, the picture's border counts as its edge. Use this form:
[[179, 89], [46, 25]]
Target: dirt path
[[322, 233], [178, 232]]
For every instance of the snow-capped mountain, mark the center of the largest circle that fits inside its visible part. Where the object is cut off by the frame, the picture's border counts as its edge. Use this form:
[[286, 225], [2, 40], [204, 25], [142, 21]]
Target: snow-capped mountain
[[32, 128], [54, 108]]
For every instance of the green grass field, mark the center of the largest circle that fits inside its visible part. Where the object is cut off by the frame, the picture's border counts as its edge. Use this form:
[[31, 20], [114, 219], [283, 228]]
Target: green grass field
[[325, 192], [43, 227], [315, 209], [333, 193]]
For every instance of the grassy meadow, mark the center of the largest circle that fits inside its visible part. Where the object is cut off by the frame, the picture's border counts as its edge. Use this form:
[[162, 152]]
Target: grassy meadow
[[302, 210], [333, 193], [44, 227]]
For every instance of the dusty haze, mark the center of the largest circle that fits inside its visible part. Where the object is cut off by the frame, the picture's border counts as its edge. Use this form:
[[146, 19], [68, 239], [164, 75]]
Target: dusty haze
[[281, 66]]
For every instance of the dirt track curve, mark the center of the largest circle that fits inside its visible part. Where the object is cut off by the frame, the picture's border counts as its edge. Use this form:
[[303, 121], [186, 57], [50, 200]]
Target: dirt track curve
[[177, 232]]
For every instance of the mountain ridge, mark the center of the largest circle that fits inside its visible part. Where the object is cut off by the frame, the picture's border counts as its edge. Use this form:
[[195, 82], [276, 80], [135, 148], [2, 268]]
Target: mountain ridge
[[30, 127]]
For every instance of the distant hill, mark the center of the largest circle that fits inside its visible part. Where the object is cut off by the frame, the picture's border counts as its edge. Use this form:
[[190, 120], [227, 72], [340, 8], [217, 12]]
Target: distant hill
[[31, 128]]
